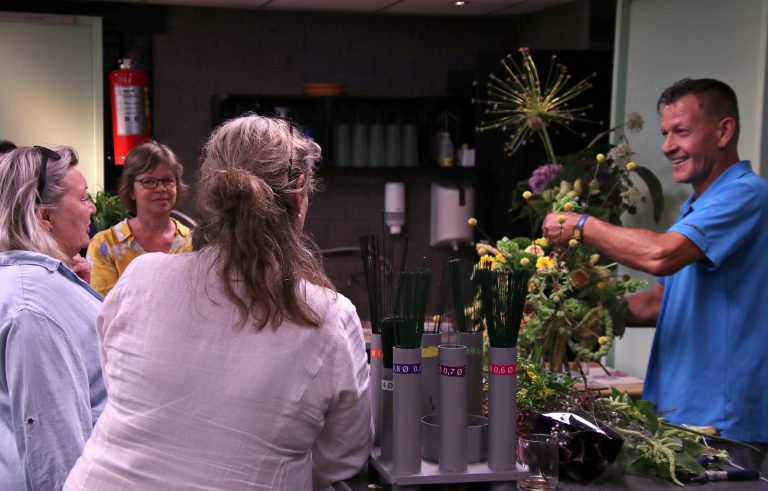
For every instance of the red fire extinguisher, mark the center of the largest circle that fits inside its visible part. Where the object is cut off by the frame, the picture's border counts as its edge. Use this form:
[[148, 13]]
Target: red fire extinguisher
[[130, 108]]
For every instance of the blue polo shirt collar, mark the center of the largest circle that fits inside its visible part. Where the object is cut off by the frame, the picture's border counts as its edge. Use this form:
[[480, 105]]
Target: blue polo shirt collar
[[733, 172]]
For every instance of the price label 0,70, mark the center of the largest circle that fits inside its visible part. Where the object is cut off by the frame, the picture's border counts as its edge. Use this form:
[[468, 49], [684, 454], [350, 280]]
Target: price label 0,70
[[449, 371]]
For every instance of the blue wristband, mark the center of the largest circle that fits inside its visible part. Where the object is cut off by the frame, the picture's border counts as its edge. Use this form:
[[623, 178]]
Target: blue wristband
[[578, 229]]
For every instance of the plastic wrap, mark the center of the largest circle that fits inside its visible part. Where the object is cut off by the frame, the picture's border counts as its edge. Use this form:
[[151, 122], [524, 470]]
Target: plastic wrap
[[587, 446]]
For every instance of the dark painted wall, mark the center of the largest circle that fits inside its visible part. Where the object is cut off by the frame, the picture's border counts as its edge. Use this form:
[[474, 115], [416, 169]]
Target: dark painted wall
[[194, 53]]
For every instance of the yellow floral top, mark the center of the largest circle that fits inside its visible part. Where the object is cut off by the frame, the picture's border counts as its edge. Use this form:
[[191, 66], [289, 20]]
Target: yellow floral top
[[112, 250]]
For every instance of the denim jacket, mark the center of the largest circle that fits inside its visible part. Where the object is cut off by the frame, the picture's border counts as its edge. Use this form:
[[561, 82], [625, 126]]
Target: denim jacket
[[51, 387]]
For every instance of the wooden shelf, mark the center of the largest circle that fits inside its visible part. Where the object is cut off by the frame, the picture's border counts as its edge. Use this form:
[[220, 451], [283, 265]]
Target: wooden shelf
[[430, 173], [320, 117]]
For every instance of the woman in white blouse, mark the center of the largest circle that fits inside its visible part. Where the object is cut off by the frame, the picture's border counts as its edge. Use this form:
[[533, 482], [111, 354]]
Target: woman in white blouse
[[236, 366]]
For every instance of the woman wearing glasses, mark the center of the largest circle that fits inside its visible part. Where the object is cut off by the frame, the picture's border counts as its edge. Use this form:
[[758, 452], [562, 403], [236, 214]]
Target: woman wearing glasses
[[149, 189], [51, 388], [250, 375]]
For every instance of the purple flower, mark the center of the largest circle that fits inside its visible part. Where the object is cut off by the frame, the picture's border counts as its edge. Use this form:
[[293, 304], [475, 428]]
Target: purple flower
[[543, 176]]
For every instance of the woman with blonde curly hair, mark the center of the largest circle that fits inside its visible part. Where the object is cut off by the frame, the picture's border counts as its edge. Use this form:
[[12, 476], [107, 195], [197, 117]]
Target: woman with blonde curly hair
[[253, 374]]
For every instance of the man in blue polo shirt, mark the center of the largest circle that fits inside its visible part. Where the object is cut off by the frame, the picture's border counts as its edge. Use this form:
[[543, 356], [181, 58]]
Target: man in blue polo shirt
[[710, 306]]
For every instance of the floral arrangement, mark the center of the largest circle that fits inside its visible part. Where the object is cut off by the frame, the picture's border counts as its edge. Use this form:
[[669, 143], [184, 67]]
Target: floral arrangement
[[601, 183], [526, 106], [574, 302]]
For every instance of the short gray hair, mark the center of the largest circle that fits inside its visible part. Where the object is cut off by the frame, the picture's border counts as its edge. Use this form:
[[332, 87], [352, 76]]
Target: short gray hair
[[20, 227]]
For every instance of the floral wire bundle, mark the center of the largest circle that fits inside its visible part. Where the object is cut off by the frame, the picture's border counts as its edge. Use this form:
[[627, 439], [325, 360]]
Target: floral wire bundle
[[437, 320], [523, 105], [392, 276], [371, 255], [455, 274], [503, 298], [411, 306], [381, 278]]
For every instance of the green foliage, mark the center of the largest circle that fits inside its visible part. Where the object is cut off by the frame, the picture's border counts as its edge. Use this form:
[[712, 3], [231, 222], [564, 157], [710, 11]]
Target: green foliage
[[652, 445], [539, 389], [109, 211]]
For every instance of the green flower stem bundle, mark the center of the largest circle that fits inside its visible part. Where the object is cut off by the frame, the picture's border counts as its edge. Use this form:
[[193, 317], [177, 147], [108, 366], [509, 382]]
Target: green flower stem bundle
[[503, 297]]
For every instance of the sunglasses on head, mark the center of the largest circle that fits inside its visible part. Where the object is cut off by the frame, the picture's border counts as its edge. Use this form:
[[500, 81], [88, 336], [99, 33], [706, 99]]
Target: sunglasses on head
[[47, 153]]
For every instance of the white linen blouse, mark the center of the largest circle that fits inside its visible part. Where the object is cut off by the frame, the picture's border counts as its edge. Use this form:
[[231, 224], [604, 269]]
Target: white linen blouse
[[195, 403]]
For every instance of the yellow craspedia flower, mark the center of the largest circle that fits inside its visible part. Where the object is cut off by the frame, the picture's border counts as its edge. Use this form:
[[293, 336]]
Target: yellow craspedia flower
[[545, 262], [600, 157], [486, 261], [631, 166], [525, 261], [541, 242], [527, 195], [573, 242], [568, 206], [601, 285], [602, 340], [561, 219], [472, 221], [500, 258]]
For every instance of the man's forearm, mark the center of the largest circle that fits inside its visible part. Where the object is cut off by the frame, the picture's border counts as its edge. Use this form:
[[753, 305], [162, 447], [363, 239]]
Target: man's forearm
[[659, 254], [643, 308]]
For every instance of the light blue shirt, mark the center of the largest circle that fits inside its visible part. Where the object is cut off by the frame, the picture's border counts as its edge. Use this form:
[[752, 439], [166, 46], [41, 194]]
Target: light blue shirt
[[51, 388], [708, 364]]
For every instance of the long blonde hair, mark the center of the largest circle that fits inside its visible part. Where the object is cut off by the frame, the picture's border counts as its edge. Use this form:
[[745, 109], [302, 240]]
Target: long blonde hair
[[20, 206], [250, 169]]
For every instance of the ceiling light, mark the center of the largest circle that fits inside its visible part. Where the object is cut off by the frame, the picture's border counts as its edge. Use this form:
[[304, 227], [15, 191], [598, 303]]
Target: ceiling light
[[460, 3]]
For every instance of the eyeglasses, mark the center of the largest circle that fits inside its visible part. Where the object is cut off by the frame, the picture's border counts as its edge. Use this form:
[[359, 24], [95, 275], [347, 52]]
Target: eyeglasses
[[46, 154], [150, 183]]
